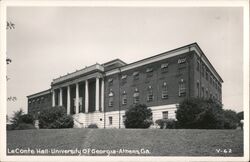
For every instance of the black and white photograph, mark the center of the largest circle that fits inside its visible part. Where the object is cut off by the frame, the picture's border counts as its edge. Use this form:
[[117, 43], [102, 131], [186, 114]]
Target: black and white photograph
[[124, 80]]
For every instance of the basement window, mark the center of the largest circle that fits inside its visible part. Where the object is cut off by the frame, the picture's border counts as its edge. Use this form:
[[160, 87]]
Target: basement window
[[110, 120]]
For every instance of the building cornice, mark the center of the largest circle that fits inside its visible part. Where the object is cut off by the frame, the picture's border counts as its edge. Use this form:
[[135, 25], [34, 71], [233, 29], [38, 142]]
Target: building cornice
[[39, 94], [191, 47], [87, 70]]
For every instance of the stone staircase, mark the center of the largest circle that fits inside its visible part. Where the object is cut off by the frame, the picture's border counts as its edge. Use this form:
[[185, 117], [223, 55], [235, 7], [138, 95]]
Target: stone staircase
[[78, 123], [36, 124]]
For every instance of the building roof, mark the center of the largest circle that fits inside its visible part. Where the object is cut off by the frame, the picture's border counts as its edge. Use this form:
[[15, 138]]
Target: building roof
[[86, 70], [178, 51], [114, 61], [39, 94]]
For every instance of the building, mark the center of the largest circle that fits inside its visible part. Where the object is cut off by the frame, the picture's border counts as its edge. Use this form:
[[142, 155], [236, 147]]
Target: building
[[101, 93]]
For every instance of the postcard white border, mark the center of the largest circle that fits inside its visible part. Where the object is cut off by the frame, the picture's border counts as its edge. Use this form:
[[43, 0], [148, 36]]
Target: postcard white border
[[139, 3]]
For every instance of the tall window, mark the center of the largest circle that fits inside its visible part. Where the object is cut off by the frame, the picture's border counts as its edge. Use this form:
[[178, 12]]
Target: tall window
[[136, 75], [124, 78], [198, 66], [111, 98], [198, 88], [150, 94], [165, 114], [136, 96], [110, 120], [202, 91], [164, 94], [207, 74], [149, 72], [182, 88], [124, 98], [110, 81], [202, 70]]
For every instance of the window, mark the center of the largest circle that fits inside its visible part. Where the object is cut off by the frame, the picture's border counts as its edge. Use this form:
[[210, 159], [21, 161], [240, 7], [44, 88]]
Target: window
[[198, 66], [110, 120], [202, 70], [164, 67], [42, 99], [124, 77], [150, 94], [198, 88], [29, 101], [110, 81], [136, 96], [202, 91], [164, 94], [181, 60], [207, 93], [124, 98], [165, 114], [136, 75], [207, 74], [111, 99], [149, 72], [182, 88]]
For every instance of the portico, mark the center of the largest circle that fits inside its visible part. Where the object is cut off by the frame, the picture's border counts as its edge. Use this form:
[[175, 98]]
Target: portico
[[82, 93]]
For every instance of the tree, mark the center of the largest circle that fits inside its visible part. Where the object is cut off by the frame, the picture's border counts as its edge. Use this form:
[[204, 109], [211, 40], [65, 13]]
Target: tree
[[231, 120], [27, 118], [196, 113], [16, 118], [55, 117], [240, 115], [22, 121], [139, 116]]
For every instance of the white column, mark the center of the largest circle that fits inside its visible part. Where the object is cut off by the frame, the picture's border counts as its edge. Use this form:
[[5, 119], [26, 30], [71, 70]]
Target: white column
[[60, 98], [68, 100], [86, 96], [102, 95], [53, 98], [77, 98], [97, 94]]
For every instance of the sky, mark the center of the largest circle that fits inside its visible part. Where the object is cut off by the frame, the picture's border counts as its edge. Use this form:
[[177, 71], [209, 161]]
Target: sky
[[49, 42]]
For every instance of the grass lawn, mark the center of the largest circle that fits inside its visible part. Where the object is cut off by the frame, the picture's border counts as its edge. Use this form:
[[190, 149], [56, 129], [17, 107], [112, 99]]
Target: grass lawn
[[143, 142]]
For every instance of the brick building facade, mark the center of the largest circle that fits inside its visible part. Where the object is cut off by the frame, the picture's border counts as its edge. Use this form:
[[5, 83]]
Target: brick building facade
[[104, 92]]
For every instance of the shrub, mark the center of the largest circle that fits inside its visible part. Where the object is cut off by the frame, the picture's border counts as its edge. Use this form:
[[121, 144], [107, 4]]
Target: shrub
[[92, 126], [23, 126], [231, 120], [21, 121], [200, 114], [166, 123], [240, 115], [55, 117], [27, 118], [138, 116], [9, 127]]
